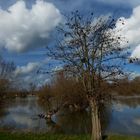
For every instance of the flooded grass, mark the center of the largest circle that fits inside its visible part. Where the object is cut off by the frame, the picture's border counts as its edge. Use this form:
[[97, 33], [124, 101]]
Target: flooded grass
[[21, 115]]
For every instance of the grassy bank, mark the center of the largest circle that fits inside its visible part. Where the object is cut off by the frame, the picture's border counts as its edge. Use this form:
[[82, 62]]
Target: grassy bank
[[123, 138], [31, 136]]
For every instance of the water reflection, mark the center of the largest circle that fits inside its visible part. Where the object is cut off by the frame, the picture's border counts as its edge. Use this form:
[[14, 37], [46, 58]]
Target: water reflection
[[131, 102], [75, 123], [20, 114], [125, 117]]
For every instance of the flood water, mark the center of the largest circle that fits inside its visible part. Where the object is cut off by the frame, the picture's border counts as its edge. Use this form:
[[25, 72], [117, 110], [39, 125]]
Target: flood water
[[20, 114]]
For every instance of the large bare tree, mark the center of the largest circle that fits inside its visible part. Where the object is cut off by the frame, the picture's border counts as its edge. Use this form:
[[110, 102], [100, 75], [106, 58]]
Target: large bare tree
[[91, 50]]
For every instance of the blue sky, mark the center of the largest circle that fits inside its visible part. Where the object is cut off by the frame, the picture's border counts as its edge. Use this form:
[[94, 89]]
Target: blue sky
[[26, 28]]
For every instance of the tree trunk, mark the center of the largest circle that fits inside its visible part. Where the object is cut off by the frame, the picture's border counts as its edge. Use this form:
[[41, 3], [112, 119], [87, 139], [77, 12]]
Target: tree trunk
[[96, 133]]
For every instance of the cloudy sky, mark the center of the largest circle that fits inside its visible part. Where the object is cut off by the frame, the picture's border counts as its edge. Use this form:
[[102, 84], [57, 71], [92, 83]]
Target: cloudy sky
[[27, 26]]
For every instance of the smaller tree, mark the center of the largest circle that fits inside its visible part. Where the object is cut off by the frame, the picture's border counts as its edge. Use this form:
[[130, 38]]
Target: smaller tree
[[32, 88], [4, 85], [6, 69], [64, 92]]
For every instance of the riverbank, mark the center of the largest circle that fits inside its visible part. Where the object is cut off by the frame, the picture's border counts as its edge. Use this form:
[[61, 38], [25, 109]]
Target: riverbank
[[32, 136]]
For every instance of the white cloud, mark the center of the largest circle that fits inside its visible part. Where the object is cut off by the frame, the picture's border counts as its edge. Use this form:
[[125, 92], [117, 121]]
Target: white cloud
[[57, 68], [134, 75], [27, 74], [37, 79], [131, 30], [22, 28], [30, 67], [136, 52]]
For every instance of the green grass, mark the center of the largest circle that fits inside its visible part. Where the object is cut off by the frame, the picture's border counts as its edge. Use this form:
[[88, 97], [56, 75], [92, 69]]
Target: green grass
[[115, 137], [32, 136]]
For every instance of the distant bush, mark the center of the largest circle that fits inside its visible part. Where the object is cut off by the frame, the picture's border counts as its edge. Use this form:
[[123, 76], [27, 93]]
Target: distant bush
[[63, 92], [127, 87]]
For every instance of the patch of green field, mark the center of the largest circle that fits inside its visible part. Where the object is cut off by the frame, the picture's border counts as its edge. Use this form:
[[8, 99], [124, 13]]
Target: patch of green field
[[117, 137], [32, 136]]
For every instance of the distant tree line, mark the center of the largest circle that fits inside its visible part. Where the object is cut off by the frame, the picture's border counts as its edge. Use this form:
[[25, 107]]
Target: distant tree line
[[68, 92], [127, 87]]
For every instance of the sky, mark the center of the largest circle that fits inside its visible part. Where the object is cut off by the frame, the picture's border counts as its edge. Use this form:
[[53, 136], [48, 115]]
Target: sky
[[27, 27]]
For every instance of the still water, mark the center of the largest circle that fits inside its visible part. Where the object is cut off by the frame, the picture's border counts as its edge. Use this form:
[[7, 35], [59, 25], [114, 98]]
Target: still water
[[20, 114]]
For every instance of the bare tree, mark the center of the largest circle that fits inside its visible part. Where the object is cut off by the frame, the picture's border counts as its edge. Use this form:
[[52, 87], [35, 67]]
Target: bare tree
[[6, 69], [32, 88], [64, 93], [90, 49]]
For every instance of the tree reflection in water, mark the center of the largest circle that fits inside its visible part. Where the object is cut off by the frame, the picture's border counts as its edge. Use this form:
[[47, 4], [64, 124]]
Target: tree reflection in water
[[74, 122], [131, 102], [20, 113]]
